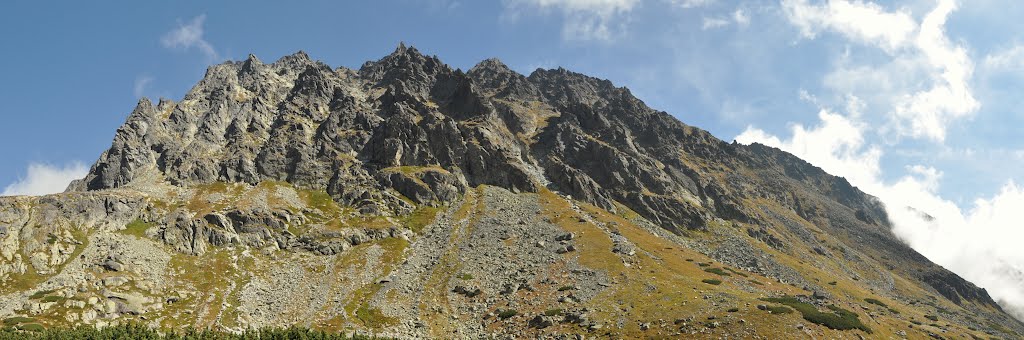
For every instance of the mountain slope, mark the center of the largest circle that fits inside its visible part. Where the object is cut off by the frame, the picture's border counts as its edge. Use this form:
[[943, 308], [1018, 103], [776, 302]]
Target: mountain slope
[[411, 199]]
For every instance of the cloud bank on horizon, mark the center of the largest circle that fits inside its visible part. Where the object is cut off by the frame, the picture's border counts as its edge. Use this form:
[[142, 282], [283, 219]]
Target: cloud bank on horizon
[[895, 78], [43, 179], [981, 242]]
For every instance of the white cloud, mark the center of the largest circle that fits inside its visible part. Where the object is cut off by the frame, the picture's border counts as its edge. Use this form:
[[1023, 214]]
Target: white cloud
[[45, 179], [596, 20], [980, 244], [866, 22], [741, 17], [920, 90], [190, 35], [931, 75], [140, 86], [710, 23], [691, 3], [837, 145], [1008, 59], [929, 112]]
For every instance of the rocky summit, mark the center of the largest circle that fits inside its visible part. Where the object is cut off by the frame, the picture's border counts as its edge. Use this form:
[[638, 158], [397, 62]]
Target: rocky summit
[[412, 200]]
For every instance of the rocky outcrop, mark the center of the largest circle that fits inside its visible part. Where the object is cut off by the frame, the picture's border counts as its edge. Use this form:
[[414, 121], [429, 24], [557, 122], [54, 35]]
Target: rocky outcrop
[[299, 121], [408, 130]]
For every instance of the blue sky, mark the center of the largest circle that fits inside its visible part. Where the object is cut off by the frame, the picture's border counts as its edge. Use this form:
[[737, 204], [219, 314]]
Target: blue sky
[[917, 102]]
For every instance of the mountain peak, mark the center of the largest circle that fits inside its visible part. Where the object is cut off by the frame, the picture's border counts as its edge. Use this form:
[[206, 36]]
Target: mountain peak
[[405, 53], [295, 61], [404, 63], [402, 53], [494, 76], [143, 106], [489, 181], [251, 63], [491, 65], [251, 59]]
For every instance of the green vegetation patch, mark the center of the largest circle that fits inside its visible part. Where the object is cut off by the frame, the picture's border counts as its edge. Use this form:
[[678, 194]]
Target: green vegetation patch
[[779, 310], [137, 228], [465, 276], [421, 217], [736, 272], [16, 320], [553, 312], [837, 318], [374, 318], [53, 298], [32, 327], [508, 313], [718, 271], [320, 200], [40, 294], [875, 302], [712, 281], [565, 288]]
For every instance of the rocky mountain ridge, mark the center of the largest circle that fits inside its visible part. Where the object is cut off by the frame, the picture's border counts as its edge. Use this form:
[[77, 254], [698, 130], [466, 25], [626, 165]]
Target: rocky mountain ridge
[[410, 176]]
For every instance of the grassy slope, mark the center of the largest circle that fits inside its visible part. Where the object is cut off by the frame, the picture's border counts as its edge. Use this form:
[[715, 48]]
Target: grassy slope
[[662, 283]]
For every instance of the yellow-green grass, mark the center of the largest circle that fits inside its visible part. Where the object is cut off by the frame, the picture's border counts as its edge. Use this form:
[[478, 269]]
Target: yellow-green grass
[[393, 250], [137, 228], [421, 217], [435, 290], [30, 279], [656, 286]]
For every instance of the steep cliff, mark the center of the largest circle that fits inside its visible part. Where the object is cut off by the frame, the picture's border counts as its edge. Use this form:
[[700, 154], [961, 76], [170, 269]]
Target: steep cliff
[[410, 199]]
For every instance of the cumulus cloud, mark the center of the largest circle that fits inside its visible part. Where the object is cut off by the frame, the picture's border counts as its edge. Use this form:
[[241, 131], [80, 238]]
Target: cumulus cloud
[[43, 179], [930, 111], [921, 54], [189, 35], [867, 22], [593, 20], [837, 145], [979, 242]]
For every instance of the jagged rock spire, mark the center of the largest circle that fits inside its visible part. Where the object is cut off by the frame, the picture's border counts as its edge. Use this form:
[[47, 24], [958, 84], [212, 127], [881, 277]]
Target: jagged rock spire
[[409, 128]]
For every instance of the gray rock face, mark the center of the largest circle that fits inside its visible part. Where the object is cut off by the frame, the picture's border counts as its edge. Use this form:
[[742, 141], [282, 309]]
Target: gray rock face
[[410, 128], [300, 121]]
